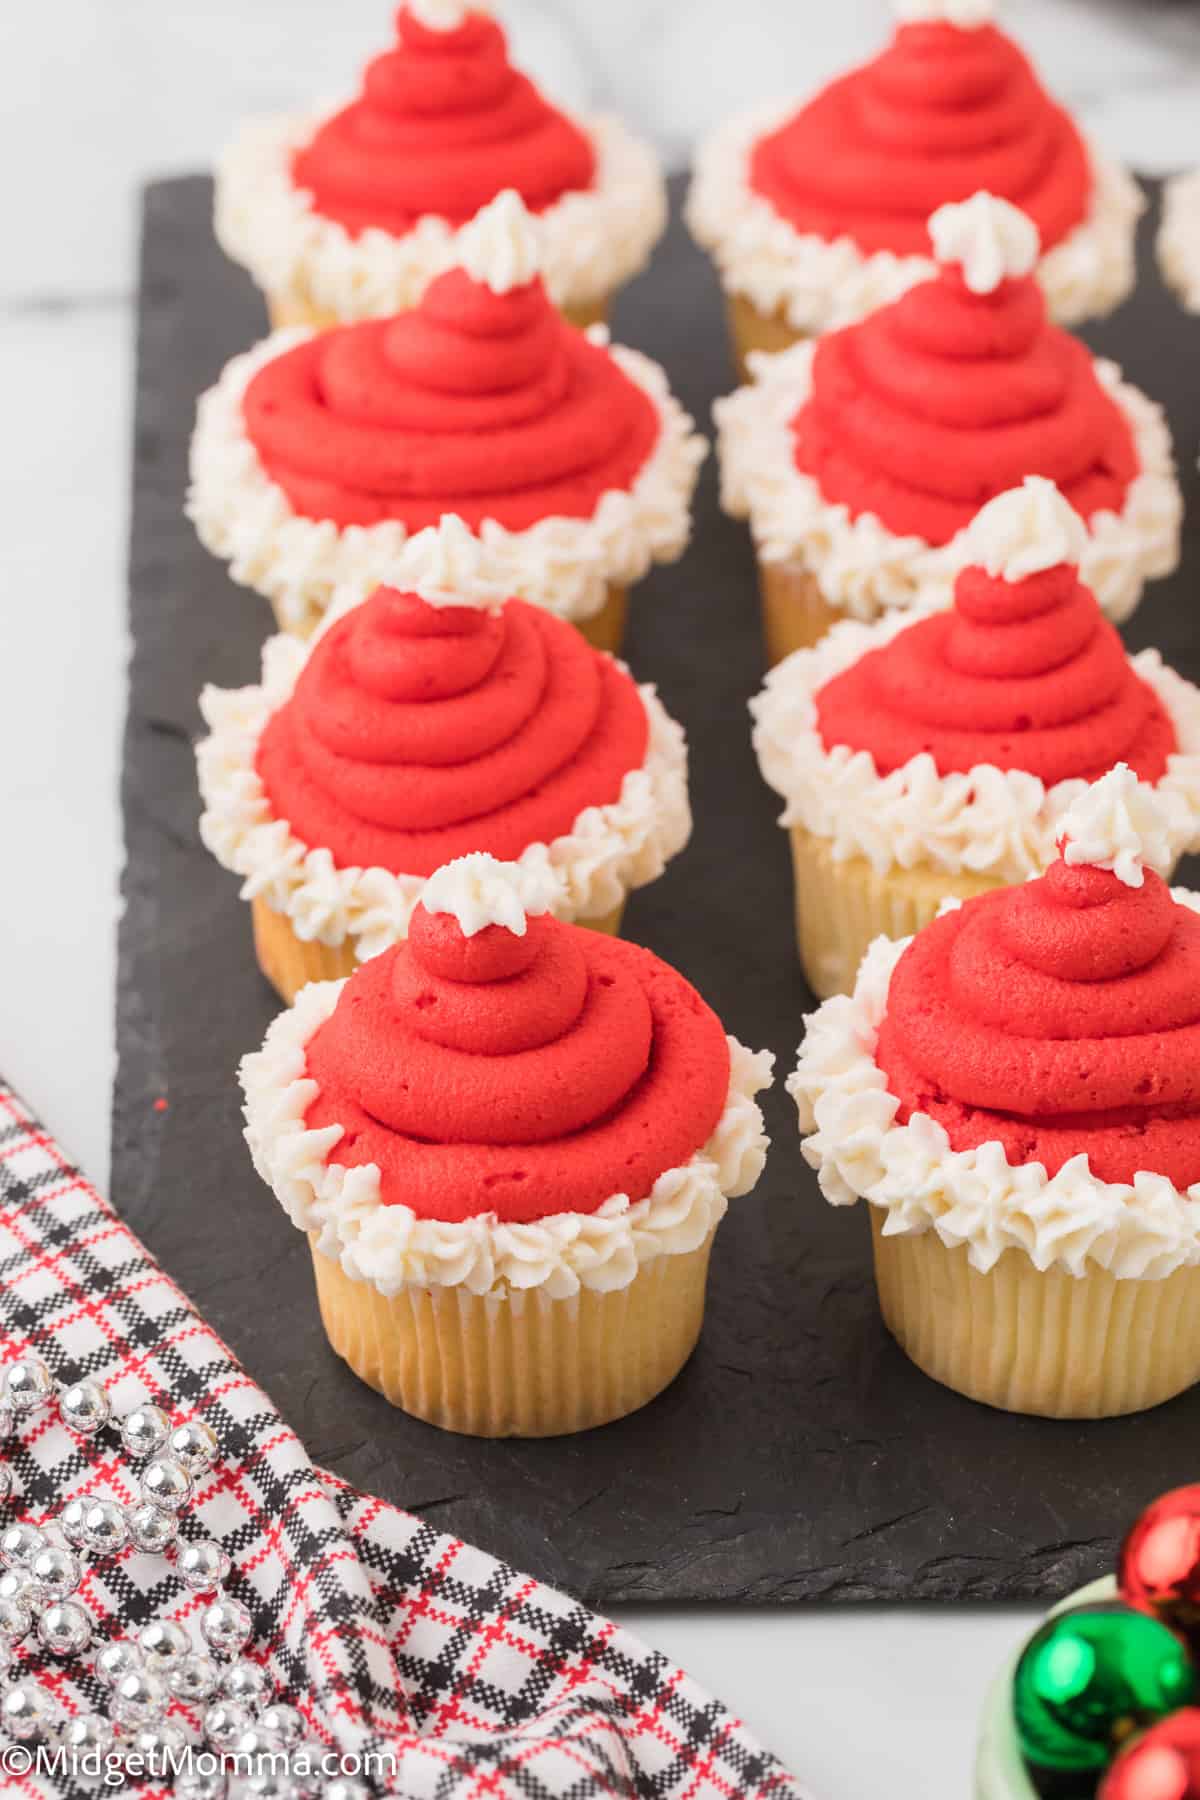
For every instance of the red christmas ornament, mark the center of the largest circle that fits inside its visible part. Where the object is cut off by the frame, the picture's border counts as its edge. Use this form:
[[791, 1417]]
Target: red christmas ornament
[[1159, 1567], [1162, 1765]]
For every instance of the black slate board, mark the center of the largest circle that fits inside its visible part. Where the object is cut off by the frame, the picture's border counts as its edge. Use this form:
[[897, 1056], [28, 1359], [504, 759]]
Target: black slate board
[[799, 1456]]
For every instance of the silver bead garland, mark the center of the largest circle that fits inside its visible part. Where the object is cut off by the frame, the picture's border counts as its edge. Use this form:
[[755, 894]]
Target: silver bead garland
[[41, 1570]]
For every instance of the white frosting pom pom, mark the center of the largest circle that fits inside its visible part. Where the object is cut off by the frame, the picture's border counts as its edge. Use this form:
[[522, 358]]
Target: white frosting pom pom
[[443, 15], [1118, 823], [1026, 530], [501, 246], [968, 15], [447, 565], [480, 891], [992, 239]]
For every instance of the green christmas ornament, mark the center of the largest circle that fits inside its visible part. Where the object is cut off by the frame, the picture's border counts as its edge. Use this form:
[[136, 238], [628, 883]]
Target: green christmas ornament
[[1091, 1676]]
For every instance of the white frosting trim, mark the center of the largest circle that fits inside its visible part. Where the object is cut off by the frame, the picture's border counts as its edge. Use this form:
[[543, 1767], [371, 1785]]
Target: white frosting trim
[[818, 282], [593, 239], [390, 1247], [1179, 238], [562, 564], [991, 821], [479, 890], [1139, 1231], [610, 849], [864, 568]]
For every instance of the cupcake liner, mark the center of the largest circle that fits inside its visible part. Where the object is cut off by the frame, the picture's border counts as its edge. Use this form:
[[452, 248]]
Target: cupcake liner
[[750, 330], [290, 962], [518, 1364], [604, 630], [842, 907], [795, 613], [293, 309], [1041, 1342]]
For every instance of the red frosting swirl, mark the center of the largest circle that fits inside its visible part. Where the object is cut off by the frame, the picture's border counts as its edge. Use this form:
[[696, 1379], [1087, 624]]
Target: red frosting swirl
[[1060, 1016], [442, 124], [930, 407], [521, 1076], [483, 404], [939, 115], [1019, 675], [416, 733]]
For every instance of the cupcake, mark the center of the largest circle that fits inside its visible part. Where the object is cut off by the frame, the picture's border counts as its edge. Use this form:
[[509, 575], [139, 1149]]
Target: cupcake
[[433, 719], [350, 215], [861, 460], [1179, 238], [317, 454], [510, 1143], [816, 216], [934, 756], [1016, 1092]]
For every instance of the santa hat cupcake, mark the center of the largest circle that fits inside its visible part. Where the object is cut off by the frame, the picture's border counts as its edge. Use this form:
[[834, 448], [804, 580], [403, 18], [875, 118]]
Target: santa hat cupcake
[[432, 719], [1016, 1092], [316, 455], [933, 757], [861, 460], [1179, 238], [816, 215], [510, 1143], [350, 215]]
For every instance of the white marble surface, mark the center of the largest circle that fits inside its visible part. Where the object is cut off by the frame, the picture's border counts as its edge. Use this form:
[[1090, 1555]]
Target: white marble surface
[[863, 1704]]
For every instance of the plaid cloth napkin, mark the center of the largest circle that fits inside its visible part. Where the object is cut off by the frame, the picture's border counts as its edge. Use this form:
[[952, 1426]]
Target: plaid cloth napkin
[[394, 1640]]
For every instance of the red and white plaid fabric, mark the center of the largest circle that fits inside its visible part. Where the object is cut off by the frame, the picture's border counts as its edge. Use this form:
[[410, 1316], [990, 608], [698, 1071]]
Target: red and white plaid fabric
[[388, 1635]]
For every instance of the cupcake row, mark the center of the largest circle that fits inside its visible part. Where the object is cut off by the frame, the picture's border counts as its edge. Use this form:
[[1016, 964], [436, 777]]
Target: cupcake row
[[510, 1140]]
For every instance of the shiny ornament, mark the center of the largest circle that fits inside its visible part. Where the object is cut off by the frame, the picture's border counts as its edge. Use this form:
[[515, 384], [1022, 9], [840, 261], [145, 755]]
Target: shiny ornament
[[1162, 1765], [151, 1529], [162, 1644], [202, 1567], [84, 1408], [70, 1521], [284, 1723], [26, 1385], [19, 1545], [139, 1698], [166, 1483], [194, 1679], [224, 1724], [162, 1746], [65, 1629], [1088, 1678], [16, 1619], [87, 1734], [20, 1585], [344, 1788], [25, 1710], [195, 1445], [105, 1532], [115, 1661], [225, 1626], [246, 1682], [201, 1784], [1159, 1567], [144, 1431], [57, 1571]]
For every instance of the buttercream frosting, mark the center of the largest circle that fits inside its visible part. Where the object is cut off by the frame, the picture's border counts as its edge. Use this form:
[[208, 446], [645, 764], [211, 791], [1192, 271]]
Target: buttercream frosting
[[1179, 237], [958, 740], [477, 891], [1071, 954], [966, 14], [594, 238], [975, 391], [501, 246], [1118, 823], [818, 279], [622, 1117], [359, 763], [990, 240], [1025, 531], [316, 455]]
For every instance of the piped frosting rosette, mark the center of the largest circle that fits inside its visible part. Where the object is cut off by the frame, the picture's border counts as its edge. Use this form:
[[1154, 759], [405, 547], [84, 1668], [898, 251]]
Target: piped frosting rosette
[[818, 213], [356, 211], [867, 454], [428, 720], [504, 1102], [1179, 238], [1025, 1072], [317, 454], [957, 740]]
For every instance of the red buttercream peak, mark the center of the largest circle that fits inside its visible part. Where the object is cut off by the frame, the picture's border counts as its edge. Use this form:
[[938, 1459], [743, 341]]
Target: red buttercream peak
[[442, 123]]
